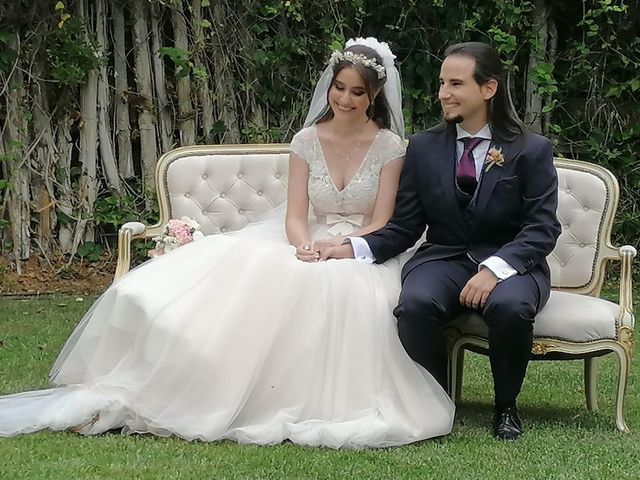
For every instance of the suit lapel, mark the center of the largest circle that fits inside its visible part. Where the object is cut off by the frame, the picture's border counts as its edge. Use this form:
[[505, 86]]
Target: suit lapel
[[489, 178]]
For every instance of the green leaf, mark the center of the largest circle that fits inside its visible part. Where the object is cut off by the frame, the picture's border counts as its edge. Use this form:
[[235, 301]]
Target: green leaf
[[205, 3]]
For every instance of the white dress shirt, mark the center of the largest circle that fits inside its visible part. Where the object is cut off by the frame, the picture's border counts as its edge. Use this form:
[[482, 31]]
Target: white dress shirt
[[497, 265]]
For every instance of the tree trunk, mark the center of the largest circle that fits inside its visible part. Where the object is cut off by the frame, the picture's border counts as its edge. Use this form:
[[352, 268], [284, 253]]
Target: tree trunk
[[223, 79], [164, 110], [65, 193], [533, 112], [88, 187], [108, 160], [43, 187], [552, 49], [200, 60], [186, 116], [148, 148], [123, 127], [15, 138]]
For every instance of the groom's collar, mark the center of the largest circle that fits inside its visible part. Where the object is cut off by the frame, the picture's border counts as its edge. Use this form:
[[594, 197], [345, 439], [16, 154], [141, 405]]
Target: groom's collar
[[485, 133]]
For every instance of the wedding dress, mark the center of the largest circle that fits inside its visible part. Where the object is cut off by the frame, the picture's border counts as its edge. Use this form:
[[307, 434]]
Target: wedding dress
[[232, 337]]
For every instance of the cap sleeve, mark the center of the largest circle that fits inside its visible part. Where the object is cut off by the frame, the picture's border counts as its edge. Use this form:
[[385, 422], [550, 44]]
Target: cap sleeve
[[302, 144], [393, 147]]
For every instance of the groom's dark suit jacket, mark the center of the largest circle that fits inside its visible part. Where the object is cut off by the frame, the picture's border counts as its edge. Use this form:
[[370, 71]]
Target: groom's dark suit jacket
[[512, 214]]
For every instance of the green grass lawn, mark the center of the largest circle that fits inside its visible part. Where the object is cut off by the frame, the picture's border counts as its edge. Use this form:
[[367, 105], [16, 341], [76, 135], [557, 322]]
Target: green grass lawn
[[562, 440]]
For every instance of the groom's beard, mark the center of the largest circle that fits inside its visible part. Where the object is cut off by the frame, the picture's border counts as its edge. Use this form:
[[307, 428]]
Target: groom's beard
[[455, 120]]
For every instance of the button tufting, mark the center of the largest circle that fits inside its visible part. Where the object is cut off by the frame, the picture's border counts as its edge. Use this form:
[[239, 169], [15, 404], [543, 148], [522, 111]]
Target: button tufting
[[223, 229], [222, 195], [277, 175], [585, 208], [240, 175], [204, 176], [581, 245], [241, 211], [567, 226], [187, 195], [204, 212], [259, 192], [563, 263], [568, 190]]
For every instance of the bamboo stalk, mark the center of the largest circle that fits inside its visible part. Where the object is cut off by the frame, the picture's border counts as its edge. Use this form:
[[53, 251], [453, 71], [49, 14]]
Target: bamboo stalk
[[186, 116], [123, 127], [533, 113], [146, 124], [164, 110], [18, 169], [107, 158], [226, 102]]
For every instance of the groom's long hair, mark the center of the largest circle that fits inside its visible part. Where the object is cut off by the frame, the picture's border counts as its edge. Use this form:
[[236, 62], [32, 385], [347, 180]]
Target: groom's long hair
[[504, 123]]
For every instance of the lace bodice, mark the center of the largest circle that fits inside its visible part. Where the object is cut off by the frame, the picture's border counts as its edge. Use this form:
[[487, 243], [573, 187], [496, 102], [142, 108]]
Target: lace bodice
[[358, 197]]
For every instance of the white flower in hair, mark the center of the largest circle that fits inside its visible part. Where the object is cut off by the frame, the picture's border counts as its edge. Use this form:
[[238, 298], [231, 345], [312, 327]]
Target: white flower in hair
[[371, 63], [381, 48]]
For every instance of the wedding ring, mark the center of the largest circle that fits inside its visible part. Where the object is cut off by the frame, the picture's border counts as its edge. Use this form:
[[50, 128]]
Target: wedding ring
[[306, 247]]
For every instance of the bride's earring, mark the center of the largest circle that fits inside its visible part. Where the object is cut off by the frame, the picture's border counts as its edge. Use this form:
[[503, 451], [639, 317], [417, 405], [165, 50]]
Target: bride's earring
[[371, 110]]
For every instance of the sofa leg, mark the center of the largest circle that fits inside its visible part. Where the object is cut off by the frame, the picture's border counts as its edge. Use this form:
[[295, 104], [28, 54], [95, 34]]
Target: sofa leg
[[625, 364], [590, 383], [456, 368]]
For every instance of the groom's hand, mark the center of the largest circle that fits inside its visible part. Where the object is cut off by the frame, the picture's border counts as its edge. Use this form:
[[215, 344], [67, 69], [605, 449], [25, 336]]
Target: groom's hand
[[477, 290], [336, 251]]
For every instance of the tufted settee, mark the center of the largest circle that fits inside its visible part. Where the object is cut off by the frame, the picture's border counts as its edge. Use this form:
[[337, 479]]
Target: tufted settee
[[226, 187]]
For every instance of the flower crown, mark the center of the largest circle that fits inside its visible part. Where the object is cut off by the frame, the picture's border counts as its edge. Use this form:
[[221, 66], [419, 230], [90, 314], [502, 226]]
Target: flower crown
[[348, 56]]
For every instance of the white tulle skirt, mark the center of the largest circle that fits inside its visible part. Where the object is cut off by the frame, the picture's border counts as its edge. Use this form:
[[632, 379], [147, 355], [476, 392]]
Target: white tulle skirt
[[232, 337]]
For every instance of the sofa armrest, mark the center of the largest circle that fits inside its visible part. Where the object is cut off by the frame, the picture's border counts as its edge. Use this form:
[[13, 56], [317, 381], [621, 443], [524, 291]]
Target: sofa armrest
[[627, 254], [128, 232]]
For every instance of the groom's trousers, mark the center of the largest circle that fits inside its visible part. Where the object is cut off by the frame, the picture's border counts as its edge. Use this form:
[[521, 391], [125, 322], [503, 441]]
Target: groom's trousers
[[430, 299]]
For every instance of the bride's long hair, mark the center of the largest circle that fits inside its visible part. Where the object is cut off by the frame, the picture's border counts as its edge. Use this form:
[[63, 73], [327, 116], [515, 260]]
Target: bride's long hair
[[379, 112]]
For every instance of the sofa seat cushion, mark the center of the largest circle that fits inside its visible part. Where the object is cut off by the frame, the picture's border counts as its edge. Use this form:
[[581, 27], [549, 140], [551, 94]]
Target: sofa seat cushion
[[566, 316]]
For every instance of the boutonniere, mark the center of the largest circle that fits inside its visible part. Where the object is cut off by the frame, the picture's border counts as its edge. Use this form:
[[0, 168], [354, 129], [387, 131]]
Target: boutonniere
[[494, 157]]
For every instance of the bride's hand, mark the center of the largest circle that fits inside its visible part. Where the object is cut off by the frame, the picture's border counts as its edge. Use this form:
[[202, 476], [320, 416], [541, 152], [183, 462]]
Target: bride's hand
[[307, 252]]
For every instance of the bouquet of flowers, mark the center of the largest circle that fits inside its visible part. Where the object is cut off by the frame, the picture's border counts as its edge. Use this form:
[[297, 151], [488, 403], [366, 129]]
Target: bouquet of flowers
[[175, 234]]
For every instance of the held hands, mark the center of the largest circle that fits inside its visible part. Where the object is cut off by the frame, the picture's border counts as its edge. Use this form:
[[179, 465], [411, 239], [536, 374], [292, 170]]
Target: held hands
[[337, 251], [477, 290], [323, 250]]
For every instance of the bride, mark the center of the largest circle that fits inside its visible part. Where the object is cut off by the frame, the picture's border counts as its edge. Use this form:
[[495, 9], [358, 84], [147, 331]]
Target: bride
[[248, 337]]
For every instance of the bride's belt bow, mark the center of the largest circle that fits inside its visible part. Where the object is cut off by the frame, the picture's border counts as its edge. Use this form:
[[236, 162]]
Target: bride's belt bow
[[344, 224]]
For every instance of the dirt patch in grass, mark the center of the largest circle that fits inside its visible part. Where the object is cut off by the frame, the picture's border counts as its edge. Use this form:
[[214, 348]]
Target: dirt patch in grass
[[57, 275]]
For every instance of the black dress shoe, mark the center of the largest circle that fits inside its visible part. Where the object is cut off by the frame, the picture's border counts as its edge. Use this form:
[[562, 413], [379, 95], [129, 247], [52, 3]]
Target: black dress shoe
[[507, 424]]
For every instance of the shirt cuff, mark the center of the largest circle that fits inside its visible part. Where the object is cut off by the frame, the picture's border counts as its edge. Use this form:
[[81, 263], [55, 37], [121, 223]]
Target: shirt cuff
[[499, 267], [361, 251]]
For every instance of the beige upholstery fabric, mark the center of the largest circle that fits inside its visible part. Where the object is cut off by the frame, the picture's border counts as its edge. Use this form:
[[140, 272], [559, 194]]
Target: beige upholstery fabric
[[581, 203], [567, 316], [225, 192]]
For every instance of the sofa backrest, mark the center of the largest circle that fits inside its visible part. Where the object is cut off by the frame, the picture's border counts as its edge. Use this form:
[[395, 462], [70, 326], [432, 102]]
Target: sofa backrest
[[225, 187], [587, 202], [222, 187]]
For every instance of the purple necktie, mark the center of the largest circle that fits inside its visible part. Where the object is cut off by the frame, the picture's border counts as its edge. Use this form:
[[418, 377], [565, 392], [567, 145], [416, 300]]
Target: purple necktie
[[466, 173]]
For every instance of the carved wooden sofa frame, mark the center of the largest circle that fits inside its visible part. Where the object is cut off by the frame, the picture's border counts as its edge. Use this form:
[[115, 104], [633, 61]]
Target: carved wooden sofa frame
[[225, 187]]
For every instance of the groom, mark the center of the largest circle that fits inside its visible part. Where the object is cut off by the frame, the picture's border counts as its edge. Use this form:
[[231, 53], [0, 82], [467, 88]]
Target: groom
[[487, 191]]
